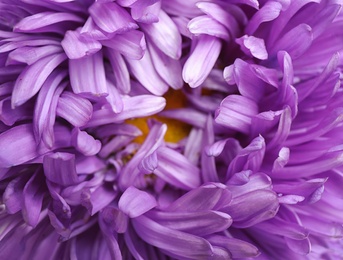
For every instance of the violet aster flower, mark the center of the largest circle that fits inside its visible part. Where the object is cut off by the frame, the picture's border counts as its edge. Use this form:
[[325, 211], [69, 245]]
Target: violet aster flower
[[168, 129]]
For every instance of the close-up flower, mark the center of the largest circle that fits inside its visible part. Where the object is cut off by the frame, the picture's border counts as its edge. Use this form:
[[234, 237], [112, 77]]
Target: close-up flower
[[169, 129]]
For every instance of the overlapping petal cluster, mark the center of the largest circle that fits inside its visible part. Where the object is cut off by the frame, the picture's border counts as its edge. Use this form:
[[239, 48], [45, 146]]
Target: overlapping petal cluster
[[243, 151]]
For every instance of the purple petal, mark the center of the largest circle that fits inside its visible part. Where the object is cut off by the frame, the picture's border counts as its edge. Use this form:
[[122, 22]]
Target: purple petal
[[60, 168], [165, 35], [135, 202], [253, 46], [45, 108], [33, 77], [295, 42], [176, 242], [268, 12], [120, 71], [140, 68], [195, 223], [10, 116], [32, 200], [168, 68], [199, 199], [175, 169], [130, 44], [76, 46], [207, 25], [201, 60], [237, 248], [146, 12], [17, 146], [236, 112], [98, 199], [115, 219], [85, 143], [38, 22], [111, 18], [134, 107], [30, 55], [254, 207], [75, 109], [83, 78], [13, 194]]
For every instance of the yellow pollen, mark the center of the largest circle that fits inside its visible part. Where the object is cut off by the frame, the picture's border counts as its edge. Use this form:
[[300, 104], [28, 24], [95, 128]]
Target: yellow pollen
[[176, 130]]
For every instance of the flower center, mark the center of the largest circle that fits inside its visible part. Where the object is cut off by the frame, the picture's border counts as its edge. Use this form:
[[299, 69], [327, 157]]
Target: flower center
[[177, 130]]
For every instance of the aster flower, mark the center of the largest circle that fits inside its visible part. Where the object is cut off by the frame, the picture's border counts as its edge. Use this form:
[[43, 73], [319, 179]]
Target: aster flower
[[170, 129]]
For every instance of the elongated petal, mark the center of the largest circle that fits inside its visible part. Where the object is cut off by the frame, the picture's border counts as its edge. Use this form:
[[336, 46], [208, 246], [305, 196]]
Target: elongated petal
[[111, 18], [195, 223], [60, 168], [201, 61], [176, 242], [98, 199], [253, 46], [75, 109], [37, 22], [135, 202], [33, 77], [140, 68], [137, 106], [32, 200], [176, 169], [121, 72], [165, 34]]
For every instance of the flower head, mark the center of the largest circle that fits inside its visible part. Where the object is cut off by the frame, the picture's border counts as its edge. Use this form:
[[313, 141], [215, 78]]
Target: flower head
[[136, 129]]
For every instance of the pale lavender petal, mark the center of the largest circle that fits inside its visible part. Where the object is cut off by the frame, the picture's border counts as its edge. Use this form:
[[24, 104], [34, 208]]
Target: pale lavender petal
[[165, 35], [87, 75], [135, 202], [207, 25], [253, 46], [169, 69], [140, 68], [74, 108], [111, 18], [146, 12], [131, 44], [60, 168], [33, 77], [201, 60], [85, 143], [186, 115], [114, 98], [76, 46]]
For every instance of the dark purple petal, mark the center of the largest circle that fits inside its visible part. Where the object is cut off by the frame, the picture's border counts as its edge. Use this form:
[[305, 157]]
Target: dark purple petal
[[60, 168]]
